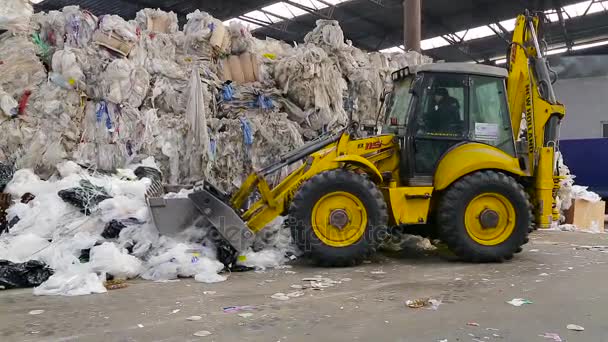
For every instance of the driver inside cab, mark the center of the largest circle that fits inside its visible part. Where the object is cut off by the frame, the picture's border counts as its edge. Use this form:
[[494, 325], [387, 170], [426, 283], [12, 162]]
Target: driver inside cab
[[444, 115]]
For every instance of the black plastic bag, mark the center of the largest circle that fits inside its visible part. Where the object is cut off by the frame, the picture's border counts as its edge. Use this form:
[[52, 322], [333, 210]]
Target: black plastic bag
[[112, 229], [6, 175], [5, 202], [227, 255], [28, 274], [86, 197]]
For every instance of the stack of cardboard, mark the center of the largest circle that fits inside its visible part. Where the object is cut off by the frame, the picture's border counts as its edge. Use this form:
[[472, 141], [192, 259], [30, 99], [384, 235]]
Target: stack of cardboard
[[113, 42], [587, 215], [244, 68]]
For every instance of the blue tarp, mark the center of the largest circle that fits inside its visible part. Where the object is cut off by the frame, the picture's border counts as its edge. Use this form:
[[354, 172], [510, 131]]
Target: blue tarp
[[587, 159]]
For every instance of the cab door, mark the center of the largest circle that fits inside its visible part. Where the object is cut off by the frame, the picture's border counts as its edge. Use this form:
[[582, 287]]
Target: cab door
[[431, 132]]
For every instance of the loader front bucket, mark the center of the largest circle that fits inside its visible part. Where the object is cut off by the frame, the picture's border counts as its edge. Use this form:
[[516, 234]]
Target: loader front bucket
[[227, 222], [173, 215]]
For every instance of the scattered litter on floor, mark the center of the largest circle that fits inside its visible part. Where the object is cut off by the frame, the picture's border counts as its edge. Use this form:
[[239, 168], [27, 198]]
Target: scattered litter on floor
[[209, 292], [297, 286], [280, 296], [434, 304], [175, 311], [36, 312], [320, 283], [430, 303], [295, 294], [543, 274], [519, 301], [552, 336], [575, 327], [593, 248], [202, 333], [194, 318], [492, 329], [473, 324], [115, 284], [238, 308], [245, 314], [140, 325]]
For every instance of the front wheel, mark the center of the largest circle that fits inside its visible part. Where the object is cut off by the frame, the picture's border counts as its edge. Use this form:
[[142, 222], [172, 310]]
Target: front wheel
[[338, 218], [485, 217]]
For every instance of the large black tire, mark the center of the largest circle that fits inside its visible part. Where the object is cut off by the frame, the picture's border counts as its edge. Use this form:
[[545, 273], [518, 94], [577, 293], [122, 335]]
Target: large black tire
[[313, 190], [451, 216]]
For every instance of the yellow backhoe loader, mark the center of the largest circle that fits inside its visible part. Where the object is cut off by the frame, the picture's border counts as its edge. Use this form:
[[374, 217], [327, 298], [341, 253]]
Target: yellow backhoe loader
[[447, 151]]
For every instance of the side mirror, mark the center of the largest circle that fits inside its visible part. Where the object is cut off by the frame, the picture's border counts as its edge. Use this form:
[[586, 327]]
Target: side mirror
[[383, 98], [415, 85], [384, 95]]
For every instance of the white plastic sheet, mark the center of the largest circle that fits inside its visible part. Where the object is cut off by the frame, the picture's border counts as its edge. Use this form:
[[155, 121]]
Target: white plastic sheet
[[114, 24], [155, 20], [15, 15], [107, 258]]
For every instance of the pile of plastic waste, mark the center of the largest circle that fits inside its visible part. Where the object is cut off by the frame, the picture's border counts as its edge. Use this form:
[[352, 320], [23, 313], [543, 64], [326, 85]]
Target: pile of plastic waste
[[110, 92], [71, 233], [85, 100], [568, 192]]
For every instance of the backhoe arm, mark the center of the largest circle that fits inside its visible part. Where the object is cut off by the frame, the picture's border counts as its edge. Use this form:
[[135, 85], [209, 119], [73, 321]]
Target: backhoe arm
[[531, 93]]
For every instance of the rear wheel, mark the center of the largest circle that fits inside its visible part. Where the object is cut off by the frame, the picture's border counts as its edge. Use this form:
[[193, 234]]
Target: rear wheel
[[338, 218], [485, 217]]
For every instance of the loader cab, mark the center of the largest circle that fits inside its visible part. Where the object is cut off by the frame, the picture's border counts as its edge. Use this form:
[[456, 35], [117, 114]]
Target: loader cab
[[435, 107]]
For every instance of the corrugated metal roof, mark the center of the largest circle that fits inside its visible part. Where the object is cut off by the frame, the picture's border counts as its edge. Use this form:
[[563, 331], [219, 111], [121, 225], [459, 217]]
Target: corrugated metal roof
[[371, 24], [128, 8]]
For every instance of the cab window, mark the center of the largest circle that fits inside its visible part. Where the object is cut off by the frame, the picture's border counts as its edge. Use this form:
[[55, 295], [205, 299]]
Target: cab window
[[398, 104], [489, 118]]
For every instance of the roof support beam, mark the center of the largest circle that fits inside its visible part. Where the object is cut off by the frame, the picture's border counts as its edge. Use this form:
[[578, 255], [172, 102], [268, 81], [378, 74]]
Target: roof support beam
[[388, 30], [498, 33], [412, 24], [285, 20], [378, 2], [502, 28], [263, 24], [454, 40], [562, 23], [307, 9]]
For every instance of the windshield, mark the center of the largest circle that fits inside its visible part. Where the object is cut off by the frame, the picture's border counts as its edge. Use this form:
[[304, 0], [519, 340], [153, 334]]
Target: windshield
[[397, 106]]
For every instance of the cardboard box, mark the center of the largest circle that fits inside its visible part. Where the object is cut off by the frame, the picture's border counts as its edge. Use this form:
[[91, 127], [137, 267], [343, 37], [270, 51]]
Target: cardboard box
[[113, 42], [587, 215], [158, 24], [241, 69]]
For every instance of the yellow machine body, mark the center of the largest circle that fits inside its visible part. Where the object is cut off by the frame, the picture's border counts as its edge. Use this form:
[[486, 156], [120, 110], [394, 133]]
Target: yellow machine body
[[379, 157]]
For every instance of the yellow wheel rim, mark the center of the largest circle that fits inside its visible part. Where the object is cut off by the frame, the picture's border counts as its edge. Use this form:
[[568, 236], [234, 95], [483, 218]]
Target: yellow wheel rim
[[502, 218], [339, 219]]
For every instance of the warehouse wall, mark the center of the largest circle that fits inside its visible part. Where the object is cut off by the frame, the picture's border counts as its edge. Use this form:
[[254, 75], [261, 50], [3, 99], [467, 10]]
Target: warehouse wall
[[583, 88], [586, 101]]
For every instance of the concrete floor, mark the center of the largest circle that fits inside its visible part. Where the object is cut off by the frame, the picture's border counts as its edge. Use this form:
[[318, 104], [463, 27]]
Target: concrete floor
[[369, 307]]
